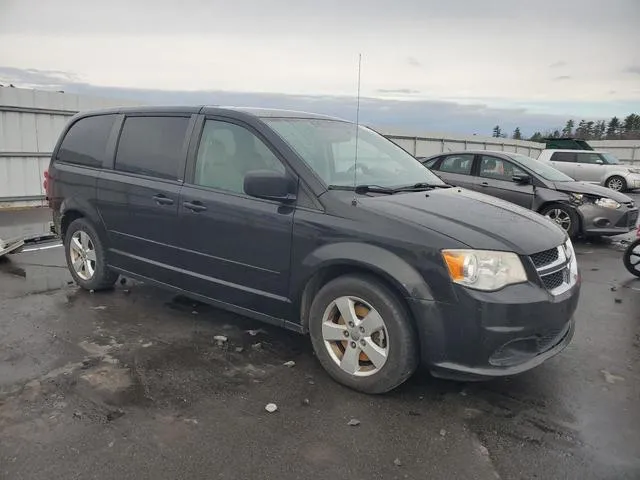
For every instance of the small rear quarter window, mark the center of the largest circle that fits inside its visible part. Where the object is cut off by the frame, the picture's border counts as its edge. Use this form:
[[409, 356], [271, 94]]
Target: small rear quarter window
[[86, 141]]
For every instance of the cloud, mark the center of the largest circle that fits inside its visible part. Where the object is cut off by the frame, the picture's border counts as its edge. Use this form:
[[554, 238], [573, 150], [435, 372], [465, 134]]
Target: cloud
[[558, 64], [562, 77], [414, 62], [32, 77], [402, 91], [633, 69]]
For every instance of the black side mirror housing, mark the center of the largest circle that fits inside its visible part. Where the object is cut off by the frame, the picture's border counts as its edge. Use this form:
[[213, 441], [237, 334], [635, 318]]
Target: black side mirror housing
[[523, 179], [270, 185]]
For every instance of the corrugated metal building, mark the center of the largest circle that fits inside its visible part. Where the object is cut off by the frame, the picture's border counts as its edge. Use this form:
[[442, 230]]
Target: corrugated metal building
[[31, 121]]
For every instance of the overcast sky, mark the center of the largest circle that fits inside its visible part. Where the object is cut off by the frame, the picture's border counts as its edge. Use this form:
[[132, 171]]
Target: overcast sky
[[541, 58]]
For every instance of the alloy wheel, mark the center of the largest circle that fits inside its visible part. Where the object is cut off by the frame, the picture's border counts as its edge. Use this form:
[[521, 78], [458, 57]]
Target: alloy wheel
[[615, 184], [83, 255], [561, 217], [355, 336]]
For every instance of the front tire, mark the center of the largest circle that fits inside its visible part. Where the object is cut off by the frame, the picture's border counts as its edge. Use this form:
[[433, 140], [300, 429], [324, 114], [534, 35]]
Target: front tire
[[616, 183], [565, 216], [362, 334], [632, 258], [85, 253]]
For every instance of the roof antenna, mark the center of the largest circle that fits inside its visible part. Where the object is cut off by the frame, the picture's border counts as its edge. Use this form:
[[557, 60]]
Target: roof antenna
[[354, 202]]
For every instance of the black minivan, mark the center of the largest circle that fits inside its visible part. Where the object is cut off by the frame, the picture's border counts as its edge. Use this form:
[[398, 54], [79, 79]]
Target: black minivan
[[318, 225]]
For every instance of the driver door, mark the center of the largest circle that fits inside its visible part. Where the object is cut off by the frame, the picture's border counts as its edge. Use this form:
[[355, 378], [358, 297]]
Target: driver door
[[496, 179]]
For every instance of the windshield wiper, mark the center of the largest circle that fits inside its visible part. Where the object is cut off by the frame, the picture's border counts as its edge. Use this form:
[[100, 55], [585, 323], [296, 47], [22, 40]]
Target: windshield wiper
[[360, 189], [421, 186]]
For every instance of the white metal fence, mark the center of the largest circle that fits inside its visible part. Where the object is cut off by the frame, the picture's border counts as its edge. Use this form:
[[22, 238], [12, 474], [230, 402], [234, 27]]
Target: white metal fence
[[31, 121]]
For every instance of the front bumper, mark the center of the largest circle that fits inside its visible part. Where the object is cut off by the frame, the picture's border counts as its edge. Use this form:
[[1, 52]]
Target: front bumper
[[492, 334], [597, 220], [633, 181]]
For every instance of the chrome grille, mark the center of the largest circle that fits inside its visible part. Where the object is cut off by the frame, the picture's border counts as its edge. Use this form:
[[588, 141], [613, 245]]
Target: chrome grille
[[553, 280], [554, 269], [544, 258]]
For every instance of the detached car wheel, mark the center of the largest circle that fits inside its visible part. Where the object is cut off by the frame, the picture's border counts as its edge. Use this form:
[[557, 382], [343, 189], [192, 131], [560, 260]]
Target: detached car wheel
[[566, 217], [617, 183], [362, 334], [632, 258], [85, 255]]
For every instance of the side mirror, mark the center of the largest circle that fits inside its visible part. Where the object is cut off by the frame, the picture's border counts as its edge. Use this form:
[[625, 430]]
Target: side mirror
[[599, 162], [524, 179], [270, 185]]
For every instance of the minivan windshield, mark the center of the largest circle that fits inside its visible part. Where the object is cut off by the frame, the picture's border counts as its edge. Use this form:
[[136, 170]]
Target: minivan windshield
[[544, 170], [329, 148], [609, 159]]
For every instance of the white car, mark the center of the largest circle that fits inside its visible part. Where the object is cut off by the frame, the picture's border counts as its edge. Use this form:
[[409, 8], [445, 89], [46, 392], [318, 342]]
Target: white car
[[595, 167]]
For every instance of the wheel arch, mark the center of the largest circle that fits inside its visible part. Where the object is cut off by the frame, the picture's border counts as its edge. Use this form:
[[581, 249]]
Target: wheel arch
[[74, 208], [337, 260]]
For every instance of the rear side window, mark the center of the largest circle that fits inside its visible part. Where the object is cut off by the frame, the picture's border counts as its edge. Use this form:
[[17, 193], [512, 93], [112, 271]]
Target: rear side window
[[86, 141], [591, 158], [563, 157], [460, 164], [152, 146]]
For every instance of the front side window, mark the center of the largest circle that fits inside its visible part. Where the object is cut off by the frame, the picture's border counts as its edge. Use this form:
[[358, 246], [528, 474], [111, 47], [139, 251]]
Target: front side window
[[544, 169], [152, 146], [86, 141], [498, 168], [460, 164], [329, 148], [227, 152], [589, 158]]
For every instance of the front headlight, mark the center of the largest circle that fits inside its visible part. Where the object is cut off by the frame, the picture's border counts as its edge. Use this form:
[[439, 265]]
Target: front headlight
[[576, 198], [484, 269], [607, 203], [634, 170]]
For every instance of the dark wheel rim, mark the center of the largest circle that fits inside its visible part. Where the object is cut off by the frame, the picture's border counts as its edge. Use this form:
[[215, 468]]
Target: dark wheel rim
[[561, 217]]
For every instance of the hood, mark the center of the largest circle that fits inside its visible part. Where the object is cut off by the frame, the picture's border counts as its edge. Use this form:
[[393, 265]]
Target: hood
[[591, 189], [474, 219]]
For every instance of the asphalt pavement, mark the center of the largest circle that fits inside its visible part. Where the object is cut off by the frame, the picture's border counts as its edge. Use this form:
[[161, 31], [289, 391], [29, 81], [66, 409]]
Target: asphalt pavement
[[138, 383]]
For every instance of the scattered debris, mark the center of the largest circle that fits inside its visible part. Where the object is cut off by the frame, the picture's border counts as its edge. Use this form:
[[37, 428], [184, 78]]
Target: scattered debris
[[463, 393], [306, 402], [289, 364], [421, 397], [70, 282], [99, 307], [257, 346], [483, 450], [126, 291], [618, 300], [194, 312], [114, 415], [221, 339], [146, 345], [253, 333], [77, 414], [614, 288], [611, 378], [595, 269], [397, 462], [414, 414], [239, 349], [191, 420], [443, 432], [354, 422], [111, 443], [271, 407], [91, 291]]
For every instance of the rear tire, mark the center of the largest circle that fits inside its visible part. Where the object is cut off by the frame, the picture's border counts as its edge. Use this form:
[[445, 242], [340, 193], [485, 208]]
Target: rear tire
[[632, 258], [379, 350], [616, 183], [85, 254], [565, 216]]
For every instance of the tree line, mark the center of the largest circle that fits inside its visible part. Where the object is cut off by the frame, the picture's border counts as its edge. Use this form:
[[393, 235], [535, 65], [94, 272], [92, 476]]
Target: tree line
[[615, 129]]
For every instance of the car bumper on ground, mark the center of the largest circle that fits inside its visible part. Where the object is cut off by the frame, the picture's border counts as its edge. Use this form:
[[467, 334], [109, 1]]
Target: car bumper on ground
[[597, 220], [494, 334]]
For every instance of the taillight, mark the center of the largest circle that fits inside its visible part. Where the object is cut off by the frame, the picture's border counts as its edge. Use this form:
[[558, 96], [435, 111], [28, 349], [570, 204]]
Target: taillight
[[46, 184]]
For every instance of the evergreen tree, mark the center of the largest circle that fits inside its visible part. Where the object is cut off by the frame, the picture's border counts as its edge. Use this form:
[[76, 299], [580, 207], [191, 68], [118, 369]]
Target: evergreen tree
[[516, 134], [567, 131], [613, 128], [497, 131]]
